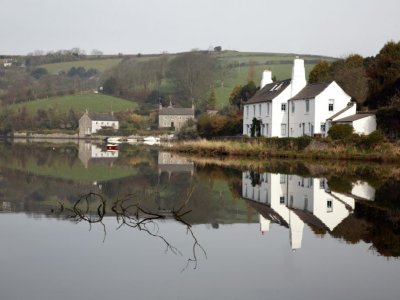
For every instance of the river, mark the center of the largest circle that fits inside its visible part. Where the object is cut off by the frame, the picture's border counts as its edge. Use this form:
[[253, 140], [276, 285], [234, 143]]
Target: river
[[80, 222]]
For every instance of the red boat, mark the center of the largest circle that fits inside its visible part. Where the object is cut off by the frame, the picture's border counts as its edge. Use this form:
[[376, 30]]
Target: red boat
[[111, 147]]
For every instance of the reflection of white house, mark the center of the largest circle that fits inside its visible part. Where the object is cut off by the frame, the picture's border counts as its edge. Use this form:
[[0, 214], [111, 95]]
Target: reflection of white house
[[90, 123], [92, 153], [293, 108], [297, 200]]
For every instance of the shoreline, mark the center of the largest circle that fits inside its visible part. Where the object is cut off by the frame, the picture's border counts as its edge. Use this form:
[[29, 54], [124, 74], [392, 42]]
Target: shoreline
[[386, 152]]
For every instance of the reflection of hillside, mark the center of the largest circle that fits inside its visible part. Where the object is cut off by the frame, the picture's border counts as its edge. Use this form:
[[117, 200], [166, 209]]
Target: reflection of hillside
[[59, 162]]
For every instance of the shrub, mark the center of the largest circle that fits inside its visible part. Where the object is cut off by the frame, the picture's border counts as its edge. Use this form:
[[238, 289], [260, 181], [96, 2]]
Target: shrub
[[373, 139], [340, 131], [188, 131]]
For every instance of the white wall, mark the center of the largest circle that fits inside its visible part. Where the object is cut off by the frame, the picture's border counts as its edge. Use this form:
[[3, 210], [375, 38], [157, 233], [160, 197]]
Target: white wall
[[272, 124], [365, 125], [97, 125], [363, 190], [319, 111]]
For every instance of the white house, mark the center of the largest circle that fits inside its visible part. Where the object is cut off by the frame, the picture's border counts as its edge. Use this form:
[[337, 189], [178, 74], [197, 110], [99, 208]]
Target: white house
[[90, 123], [293, 108], [296, 200]]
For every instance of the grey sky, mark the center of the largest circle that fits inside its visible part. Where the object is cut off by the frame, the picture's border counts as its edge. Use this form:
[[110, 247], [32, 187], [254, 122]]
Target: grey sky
[[335, 28]]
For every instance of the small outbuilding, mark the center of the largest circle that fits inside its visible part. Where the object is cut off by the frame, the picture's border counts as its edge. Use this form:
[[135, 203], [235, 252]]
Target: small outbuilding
[[362, 123], [90, 123]]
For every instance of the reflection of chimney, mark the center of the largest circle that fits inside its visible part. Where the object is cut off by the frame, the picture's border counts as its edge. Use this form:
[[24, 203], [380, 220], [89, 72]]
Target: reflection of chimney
[[266, 78], [296, 230], [264, 224], [298, 76]]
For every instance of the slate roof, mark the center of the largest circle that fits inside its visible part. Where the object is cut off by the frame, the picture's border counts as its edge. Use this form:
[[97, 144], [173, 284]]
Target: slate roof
[[311, 91], [341, 111], [269, 92], [354, 118], [169, 111], [102, 117]]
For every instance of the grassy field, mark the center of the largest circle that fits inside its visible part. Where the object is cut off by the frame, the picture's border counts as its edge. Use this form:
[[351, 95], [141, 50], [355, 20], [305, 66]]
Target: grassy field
[[79, 103], [279, 64], [99, 64]]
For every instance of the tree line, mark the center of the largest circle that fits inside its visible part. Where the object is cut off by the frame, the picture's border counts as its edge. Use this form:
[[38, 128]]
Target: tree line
[[373, 81]]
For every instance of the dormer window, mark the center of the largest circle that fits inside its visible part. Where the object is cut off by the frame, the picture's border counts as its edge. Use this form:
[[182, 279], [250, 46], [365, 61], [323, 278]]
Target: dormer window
[[273, 87]]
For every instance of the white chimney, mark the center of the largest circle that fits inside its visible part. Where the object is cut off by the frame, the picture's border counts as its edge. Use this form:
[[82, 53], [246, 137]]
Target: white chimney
[[298, 76], [266, 78]]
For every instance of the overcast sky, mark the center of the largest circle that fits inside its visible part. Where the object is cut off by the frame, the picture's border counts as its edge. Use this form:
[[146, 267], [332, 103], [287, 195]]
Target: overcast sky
[[334, 28]]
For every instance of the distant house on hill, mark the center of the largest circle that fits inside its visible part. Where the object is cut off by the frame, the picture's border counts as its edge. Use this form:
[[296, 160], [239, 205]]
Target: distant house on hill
[[174, 117], [90, 123], [293, 108]]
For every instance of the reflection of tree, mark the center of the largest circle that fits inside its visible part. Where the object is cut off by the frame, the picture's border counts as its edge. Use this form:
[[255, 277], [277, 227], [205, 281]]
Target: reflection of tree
[[92, 208]]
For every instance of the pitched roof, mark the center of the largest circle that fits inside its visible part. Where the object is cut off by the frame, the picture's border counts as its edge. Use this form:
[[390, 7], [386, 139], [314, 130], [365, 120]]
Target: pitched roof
[[311, 91], [350, 105], [168, 111], [102, 117], [269, 92], [354, 117]]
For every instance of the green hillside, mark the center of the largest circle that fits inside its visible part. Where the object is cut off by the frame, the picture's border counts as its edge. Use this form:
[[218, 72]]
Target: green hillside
[[98, 64], [79, 103], [239, 64]]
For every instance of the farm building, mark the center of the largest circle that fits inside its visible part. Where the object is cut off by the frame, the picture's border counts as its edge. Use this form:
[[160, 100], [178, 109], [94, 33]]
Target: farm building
[[90, 123], [293, 108]]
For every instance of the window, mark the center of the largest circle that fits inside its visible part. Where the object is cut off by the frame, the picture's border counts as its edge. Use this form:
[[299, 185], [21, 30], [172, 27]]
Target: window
[[247, 111], [259, 110], [293, 107], [273, 88], [331, 105], [282, 199], [266, 129], [283, 178], [254, 110], [329, 206], [283, 106], [283, 129], [291, 200], [307, 106], [268, 109], [322, 127]]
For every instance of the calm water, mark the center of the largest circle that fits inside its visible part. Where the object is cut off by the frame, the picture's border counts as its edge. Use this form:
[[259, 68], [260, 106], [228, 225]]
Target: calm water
[[78, 222]]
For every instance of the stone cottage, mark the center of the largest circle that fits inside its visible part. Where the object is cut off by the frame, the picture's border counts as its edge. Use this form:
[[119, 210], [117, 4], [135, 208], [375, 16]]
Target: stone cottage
[[174, 116]]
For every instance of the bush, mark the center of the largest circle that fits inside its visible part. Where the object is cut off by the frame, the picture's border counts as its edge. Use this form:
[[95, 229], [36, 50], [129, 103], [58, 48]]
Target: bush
[[373, 139], [188, 131], [340, 131], [388, 121]]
